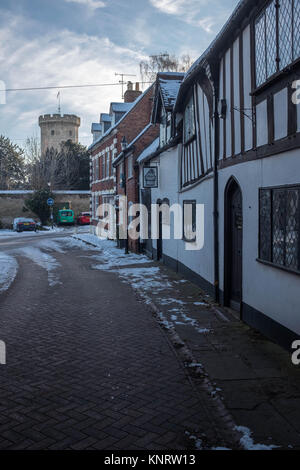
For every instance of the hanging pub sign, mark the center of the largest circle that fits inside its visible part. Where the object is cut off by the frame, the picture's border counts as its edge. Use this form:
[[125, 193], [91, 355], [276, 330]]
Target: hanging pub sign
[[150, 174]]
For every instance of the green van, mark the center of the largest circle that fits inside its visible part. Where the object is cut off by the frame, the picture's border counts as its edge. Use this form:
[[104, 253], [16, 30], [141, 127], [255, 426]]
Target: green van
[[65, 217]]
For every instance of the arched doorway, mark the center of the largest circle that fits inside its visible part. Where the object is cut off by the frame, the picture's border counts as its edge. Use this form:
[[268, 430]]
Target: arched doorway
[[233, 243]]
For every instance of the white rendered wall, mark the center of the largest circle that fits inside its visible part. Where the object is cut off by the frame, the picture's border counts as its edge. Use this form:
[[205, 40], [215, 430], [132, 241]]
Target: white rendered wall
[[270, 290]]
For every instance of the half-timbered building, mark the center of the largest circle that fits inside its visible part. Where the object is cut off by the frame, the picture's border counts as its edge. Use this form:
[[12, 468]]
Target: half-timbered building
[[241, 126]]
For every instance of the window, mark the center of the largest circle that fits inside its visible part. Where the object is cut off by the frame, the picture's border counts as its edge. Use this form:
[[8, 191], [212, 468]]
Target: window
[[97, 169], [130, 167], [52, 132], [189, 221], [279, 220], [277, 38], [189, 121], [107, 165], [103, 166], [70, 133]]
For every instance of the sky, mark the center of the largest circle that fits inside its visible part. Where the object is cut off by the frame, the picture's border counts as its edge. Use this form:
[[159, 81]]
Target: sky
[[79, 42]]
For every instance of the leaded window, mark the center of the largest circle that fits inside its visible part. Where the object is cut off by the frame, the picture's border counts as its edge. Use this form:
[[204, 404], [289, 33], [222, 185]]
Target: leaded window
[[189, 120], [279, 239], [277, 38]]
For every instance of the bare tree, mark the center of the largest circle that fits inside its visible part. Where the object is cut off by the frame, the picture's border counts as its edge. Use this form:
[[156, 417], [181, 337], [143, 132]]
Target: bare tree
[[66, 169], [163, 62]]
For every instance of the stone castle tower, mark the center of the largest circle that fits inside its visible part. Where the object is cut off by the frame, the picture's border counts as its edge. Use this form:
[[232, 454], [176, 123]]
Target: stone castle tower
[[56, 128]]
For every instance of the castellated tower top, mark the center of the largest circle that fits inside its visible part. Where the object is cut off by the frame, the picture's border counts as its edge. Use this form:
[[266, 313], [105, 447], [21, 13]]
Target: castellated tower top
[[56, 128]]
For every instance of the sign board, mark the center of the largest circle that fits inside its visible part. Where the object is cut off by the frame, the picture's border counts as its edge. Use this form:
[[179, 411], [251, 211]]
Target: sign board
[[50, 201], [150, 176]]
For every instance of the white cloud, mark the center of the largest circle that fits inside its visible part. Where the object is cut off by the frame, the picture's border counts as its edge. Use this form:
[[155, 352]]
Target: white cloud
[[58, 58], [190, 11], [93, 4]]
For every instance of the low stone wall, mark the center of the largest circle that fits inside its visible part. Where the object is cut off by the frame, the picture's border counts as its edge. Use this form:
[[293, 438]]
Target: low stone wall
[[12, 204]]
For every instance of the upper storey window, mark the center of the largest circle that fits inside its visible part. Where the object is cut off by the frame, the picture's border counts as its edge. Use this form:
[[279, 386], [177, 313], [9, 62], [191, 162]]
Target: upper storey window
[[189, 121], [277, 38]]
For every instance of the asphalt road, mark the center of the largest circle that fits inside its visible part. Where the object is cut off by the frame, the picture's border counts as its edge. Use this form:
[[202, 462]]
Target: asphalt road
[[88, 367]]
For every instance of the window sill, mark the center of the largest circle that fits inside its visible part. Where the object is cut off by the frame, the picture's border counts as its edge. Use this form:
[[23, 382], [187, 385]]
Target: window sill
[[278, 266]]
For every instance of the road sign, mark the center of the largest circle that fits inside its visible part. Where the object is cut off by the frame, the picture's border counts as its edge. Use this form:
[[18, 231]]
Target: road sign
[[50, 201]]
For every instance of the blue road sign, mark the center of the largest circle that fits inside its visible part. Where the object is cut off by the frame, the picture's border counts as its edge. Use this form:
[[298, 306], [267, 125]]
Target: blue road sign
[[50, 201]]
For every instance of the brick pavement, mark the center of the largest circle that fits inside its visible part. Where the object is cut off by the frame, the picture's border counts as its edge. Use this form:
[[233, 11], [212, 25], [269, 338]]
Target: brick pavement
[[88, 367]]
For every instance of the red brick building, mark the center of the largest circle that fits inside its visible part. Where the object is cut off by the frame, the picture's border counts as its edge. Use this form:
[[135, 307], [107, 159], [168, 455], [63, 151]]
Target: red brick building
[[124, 119], [127, 171]]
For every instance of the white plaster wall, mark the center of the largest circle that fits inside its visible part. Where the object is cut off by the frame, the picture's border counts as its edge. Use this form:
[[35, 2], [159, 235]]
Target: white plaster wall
[[168, 185], [228, 99], [280, 114], [270, 290], [200, 261], [221, 130], [247, 88], [262, 123], [236, 97]]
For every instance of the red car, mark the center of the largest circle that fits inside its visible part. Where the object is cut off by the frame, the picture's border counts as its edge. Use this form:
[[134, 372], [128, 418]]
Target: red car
[[84, 218]]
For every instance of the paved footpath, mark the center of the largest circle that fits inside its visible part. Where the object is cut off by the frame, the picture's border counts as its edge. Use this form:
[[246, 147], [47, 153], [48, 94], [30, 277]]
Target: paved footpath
[[88, 366]]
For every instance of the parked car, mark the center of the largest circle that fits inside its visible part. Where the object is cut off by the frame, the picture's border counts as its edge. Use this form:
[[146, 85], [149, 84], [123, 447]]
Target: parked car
[[21, 224], [84, 218], [65, 217]]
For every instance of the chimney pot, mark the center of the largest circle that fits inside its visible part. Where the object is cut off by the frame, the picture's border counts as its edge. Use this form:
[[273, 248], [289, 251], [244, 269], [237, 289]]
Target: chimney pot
[[137, 86]]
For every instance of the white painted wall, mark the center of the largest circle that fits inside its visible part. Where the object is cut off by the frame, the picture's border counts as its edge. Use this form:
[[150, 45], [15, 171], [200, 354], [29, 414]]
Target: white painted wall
[[270, 290], [262, 123], [281, 114], [247, 88], [236, 96], [201, 261]]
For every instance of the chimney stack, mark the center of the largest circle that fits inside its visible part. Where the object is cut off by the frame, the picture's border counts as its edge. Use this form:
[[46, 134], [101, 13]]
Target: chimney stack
[[130, 94]]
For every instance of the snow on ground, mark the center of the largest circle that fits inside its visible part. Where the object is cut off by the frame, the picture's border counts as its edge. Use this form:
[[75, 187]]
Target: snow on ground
[[247, 441], [50, 245], [11, 233], [147, 279], [44, 260], [8, 270]]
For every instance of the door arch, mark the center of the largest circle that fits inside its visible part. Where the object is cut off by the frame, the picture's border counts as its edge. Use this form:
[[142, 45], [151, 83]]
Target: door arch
[[233, 244]]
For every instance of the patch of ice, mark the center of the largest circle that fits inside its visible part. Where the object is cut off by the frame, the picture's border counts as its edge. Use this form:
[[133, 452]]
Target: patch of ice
[[43, 260], [8, 271], [247, 441], [200, 303], [72, 242], [50, 245]]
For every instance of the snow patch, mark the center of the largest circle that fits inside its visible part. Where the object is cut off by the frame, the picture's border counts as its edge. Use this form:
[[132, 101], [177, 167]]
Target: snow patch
[[247, 441], [8, 271], [43, 260]]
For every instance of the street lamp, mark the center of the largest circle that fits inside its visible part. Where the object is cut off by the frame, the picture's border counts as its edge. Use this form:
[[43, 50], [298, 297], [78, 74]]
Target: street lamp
[[123, 148]]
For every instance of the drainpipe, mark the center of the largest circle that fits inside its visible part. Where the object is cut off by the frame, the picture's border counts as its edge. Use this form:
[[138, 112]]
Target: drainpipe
[[216, 192]]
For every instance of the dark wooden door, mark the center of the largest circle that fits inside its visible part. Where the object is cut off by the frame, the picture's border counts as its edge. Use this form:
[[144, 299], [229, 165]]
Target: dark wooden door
[[236, 248]]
